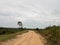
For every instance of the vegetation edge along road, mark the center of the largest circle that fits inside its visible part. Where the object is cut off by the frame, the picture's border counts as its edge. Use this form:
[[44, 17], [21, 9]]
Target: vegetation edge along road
[[51, 34], [7, 34]]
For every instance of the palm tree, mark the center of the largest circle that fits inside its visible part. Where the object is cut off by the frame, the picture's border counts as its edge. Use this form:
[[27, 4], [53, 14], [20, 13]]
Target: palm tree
[[20, 24]]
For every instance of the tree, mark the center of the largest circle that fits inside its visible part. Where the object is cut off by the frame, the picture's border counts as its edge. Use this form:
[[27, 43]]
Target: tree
[[20, 24], [37, 28]]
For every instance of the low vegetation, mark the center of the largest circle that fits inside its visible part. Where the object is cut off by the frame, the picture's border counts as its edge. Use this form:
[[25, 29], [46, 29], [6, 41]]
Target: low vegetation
[[10, 33], [52, 35]]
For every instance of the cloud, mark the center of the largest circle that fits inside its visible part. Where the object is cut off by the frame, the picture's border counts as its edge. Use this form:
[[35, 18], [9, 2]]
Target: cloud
[[33, 13]]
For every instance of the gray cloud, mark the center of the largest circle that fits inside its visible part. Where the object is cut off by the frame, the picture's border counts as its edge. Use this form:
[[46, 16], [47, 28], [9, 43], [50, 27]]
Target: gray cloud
[[33, 13], [56, 12]]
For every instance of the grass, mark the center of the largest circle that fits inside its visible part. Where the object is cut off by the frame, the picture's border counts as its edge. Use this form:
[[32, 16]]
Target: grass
[[52, 35], [8, 36]]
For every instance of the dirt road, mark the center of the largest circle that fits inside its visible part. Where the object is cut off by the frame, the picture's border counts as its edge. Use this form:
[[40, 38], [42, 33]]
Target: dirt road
[[30, 38]]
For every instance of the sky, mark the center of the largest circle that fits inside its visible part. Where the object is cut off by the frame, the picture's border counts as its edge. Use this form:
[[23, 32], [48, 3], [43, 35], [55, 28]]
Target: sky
[[32, 13]]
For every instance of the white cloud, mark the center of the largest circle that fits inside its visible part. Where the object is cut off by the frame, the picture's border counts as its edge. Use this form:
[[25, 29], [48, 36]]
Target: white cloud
[[36, 12]]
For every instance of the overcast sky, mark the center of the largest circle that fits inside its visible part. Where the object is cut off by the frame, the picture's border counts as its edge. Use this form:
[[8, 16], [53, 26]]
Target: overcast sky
[[32, 13]]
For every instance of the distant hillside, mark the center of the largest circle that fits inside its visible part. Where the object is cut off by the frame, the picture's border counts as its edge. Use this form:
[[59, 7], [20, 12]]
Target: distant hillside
[[52, 34]]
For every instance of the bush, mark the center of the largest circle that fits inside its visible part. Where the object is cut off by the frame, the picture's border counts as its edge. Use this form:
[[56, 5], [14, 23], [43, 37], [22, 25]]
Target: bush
[[52, 34]]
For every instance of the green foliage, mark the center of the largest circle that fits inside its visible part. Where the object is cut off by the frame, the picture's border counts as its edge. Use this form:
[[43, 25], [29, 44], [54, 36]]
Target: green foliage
[[9, 30], [9, 33], [52, 34]]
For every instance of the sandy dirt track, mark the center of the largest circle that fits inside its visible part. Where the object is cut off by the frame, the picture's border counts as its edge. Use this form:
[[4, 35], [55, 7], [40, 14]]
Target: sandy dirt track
[[29, 38]]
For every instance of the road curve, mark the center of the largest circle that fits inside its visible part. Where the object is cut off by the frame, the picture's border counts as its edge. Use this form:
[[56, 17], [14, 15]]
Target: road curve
[[29, 38]]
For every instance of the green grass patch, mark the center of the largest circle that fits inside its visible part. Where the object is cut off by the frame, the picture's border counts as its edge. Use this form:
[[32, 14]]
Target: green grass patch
[[6, 37]]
